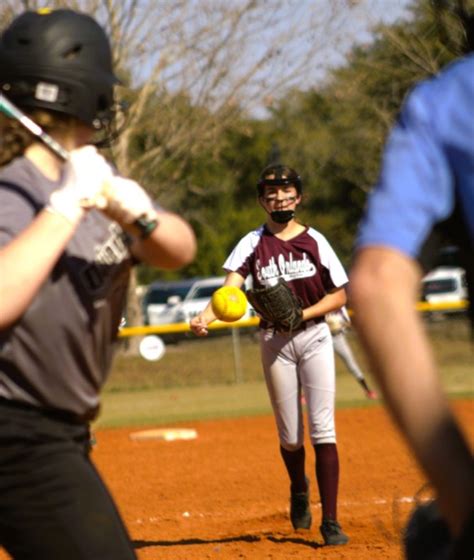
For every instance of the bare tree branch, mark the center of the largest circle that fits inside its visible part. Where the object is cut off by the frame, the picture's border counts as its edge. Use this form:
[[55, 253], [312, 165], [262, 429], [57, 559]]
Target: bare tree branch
[[227, 57]]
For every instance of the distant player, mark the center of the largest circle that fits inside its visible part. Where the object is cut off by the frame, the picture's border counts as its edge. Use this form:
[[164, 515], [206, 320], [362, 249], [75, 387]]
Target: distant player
[[65, 268], [425, 195], [301, 359], [339, 323]]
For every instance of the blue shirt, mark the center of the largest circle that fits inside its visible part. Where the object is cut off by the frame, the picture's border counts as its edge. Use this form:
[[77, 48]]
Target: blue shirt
[[429, 156]]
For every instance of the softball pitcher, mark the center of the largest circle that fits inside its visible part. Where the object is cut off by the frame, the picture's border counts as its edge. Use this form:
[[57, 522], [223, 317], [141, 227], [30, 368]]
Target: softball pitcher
[[65, 266], [301, 359]]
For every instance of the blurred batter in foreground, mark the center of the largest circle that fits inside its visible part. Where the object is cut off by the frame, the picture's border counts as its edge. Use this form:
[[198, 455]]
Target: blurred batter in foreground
[[65, 267]]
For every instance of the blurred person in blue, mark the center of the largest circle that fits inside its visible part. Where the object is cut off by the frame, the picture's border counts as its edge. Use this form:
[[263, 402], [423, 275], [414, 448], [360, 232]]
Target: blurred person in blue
[[424, 197]]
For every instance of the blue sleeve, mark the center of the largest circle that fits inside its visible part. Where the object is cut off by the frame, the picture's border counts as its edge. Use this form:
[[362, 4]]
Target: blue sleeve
[[415, 188]]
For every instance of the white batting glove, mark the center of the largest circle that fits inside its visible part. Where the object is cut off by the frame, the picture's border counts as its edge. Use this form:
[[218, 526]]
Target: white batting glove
[[127, 202], [85, 174]]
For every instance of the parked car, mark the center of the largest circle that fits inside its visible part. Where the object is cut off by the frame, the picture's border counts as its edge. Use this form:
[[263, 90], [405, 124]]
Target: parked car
[[445, 284], [196, 299], [163, 295]]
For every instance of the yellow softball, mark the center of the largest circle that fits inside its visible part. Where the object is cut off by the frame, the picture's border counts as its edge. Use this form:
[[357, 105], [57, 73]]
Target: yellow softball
[[229, 303]]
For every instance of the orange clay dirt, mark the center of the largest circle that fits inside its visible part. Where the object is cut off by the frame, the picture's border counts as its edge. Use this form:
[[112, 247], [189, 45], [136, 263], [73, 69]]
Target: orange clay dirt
[[224, 495]]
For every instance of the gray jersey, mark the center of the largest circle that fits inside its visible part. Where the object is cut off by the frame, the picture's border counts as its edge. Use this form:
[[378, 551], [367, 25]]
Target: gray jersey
[[58, 354]]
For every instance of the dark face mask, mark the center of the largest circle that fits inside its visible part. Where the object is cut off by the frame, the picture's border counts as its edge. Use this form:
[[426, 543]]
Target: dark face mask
[[282, 216]]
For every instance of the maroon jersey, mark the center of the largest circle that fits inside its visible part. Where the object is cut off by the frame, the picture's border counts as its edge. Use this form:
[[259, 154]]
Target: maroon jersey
[[307, 262]]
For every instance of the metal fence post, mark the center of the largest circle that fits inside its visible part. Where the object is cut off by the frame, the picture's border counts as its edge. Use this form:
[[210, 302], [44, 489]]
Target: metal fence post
[[238, 377]]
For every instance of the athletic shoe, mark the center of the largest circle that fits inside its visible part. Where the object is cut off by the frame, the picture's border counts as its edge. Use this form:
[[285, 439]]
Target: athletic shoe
[[300, 512], [332, 533], [372, 395]]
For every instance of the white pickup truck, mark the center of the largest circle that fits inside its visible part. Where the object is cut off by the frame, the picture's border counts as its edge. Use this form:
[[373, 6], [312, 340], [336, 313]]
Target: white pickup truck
[[445, 284]]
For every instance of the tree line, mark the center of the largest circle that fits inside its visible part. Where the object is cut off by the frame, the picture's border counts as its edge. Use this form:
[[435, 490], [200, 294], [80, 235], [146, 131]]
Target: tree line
[[332, 134], [193, 73]]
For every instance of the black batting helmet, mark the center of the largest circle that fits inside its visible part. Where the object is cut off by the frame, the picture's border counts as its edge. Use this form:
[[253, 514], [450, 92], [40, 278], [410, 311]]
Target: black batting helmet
[[59, 60], [279, 175]]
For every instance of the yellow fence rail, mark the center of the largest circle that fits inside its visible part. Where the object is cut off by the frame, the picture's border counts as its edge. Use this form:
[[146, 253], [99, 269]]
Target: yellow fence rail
[[144, 330]]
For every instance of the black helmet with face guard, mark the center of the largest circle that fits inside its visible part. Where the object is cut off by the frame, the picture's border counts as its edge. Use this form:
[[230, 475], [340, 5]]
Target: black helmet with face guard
[[279, 175]]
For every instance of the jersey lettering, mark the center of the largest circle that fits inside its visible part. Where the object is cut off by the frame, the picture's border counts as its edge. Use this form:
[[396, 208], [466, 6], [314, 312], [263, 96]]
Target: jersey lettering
[[290, 269], [112, 252], [296, 268]]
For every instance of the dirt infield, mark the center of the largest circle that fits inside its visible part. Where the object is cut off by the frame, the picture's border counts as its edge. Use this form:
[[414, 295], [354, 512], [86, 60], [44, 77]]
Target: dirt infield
[[224, 495]]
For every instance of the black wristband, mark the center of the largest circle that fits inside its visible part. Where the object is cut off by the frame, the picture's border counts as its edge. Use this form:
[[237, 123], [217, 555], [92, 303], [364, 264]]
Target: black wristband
[[145, 226]]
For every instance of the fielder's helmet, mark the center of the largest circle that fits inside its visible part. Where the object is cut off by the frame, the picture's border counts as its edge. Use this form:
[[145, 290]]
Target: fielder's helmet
[[280, 175], [59, 60]]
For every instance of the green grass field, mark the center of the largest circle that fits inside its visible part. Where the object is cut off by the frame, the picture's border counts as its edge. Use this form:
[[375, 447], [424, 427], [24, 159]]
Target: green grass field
[[221, 377]]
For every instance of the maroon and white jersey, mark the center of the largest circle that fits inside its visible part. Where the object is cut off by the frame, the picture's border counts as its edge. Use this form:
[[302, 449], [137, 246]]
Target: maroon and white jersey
[[307, 262]]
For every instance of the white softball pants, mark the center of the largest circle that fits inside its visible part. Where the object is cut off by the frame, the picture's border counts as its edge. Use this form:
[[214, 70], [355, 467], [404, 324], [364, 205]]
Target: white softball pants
[[303, 361]]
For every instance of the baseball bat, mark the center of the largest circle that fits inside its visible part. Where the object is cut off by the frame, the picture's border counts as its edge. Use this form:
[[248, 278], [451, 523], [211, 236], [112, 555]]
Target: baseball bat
[[12, 111]]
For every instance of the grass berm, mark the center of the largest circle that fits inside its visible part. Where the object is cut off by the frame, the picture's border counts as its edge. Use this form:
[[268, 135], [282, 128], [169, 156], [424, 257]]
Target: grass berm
[[205, 378]]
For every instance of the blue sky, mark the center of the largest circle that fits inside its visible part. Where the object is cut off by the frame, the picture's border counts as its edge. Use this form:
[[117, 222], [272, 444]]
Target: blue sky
[[355, 23], [352, 25]]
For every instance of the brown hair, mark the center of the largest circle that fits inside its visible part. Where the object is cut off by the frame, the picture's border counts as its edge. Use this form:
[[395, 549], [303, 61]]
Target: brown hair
[[15, 139]]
